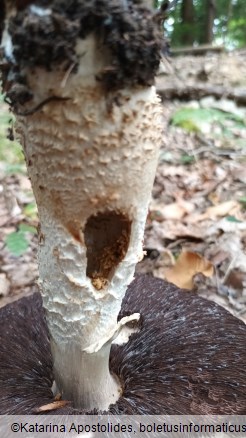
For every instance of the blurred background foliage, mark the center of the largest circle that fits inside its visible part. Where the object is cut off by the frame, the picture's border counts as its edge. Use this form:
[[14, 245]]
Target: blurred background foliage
[[10, 151], [194, 22]]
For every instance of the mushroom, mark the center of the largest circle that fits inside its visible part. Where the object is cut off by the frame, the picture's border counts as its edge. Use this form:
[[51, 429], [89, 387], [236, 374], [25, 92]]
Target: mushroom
[[185, 356], [79, 78]]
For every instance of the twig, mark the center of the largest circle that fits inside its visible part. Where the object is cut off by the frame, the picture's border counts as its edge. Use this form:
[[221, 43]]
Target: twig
[[39, 106], [231, 264], [67, 74]]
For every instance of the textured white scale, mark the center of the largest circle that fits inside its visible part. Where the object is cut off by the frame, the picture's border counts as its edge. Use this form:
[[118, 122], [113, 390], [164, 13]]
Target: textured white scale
[[85, 161]]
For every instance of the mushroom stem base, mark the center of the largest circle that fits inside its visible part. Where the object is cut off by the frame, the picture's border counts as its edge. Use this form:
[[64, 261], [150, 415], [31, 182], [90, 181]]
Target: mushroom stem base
[[84, 378]]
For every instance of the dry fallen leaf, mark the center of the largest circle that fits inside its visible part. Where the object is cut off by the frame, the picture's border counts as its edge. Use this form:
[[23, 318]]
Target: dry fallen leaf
[[188, 264], [174, 170], [176, 210], [223, 209], [218, 256], [231, 208], [164, 260], [235, 279], [52, 406], [4, 285]]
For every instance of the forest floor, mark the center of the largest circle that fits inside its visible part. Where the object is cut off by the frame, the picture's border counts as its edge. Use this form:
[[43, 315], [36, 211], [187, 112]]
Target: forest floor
[[196, 228]]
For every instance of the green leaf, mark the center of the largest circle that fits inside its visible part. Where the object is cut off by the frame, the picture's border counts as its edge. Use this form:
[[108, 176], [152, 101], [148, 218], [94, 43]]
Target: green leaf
[[166, 156], [192, 119], [17, 243], [187, 159], [233, 219], [30, 210], [15, 168], [243, 201], [25, 228]]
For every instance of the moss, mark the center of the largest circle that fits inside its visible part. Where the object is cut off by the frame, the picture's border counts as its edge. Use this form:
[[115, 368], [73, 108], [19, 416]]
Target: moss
[[127, 29]]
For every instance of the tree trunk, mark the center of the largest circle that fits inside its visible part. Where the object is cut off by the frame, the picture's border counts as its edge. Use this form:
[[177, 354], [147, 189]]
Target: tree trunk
[[227, 19], [187, 15], [209, 24]]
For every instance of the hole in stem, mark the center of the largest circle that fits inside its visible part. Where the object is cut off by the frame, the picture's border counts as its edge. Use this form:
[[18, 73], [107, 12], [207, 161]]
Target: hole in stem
[[107, 237]]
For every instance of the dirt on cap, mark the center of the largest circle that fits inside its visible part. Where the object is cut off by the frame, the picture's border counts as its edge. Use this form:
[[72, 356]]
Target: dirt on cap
[[47, 38]]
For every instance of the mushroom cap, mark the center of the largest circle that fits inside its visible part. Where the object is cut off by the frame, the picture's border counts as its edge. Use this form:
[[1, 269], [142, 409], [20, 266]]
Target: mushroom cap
[[188, 356]]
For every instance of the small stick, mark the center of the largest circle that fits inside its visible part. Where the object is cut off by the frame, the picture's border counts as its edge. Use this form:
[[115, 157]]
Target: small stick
[[39, 106]]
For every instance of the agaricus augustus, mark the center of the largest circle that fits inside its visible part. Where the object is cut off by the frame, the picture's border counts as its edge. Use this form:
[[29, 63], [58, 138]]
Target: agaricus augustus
[[79, 77]]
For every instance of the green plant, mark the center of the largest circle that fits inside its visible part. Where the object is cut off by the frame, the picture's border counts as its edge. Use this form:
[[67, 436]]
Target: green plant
[[18, 241]]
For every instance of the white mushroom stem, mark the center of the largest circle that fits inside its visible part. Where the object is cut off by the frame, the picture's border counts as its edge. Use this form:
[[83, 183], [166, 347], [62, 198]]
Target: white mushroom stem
[[92, 159]]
